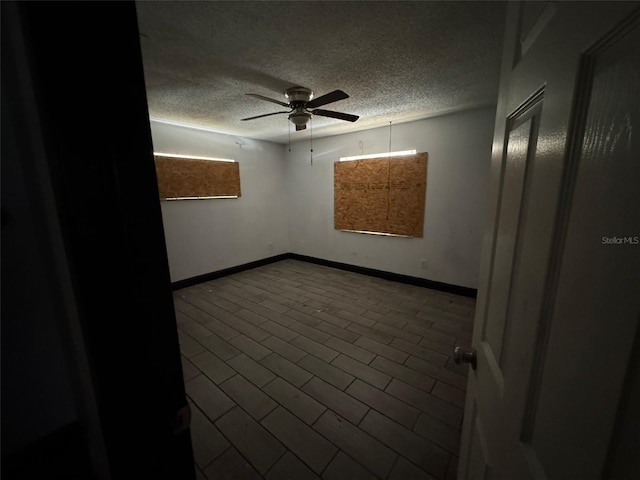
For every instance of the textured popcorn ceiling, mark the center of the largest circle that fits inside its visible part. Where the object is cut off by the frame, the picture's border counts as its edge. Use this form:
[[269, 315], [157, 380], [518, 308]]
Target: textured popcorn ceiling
[[398, 61]]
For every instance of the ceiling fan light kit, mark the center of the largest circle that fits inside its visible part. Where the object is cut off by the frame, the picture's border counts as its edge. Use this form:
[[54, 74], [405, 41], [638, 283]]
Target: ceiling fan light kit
[[301, 101]]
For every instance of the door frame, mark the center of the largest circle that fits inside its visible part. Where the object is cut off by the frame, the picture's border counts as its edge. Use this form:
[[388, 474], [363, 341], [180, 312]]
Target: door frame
[[107, 209]]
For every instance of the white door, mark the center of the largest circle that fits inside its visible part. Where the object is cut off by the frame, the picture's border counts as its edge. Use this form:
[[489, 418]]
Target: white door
[[556, 328]]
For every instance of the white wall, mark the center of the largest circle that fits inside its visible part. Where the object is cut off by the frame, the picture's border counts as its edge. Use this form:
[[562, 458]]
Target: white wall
[[287, 204], [459, 148], [205, 236]]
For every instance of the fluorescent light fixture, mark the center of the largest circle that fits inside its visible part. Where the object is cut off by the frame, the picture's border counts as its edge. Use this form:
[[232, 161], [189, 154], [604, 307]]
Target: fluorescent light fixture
[[401, 153], [378, 233], [201, 198], [193, 157]]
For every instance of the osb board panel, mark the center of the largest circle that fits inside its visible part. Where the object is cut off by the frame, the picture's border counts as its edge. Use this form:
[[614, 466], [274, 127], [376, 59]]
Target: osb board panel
[[384, 195], [186, 177]]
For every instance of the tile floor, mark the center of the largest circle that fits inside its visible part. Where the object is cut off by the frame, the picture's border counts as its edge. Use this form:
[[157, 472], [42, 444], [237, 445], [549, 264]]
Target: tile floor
[[299, 371]]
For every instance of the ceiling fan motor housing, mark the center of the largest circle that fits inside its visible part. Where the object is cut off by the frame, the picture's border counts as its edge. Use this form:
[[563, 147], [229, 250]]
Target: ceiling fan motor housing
[[298, 95]]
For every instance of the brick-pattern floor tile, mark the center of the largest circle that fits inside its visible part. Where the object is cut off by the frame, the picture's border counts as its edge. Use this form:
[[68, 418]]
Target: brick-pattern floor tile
[[344, 405], [430, 457], [439, 373], [250, 347], [251, 439], [362, 371], [393, 323], [332, 319], [289, 467], [339, 332], [251, 370], [195, 330], [358, 319], [314, 348], [265, 312], [335, 376], [310, 332], [449, 394], [296, 401], [189, 371], [188, 346], [446, 412], [284, 349], [209, 398], [248, 329], [405, 470], [273, 306], [219, 347], [199, 474], [301, 317], [438, 432], [279, 331], [195, 308], [301, 439], [231, 466], [439, 347], [381, 349], [403, 373], [250, 317], [248, 396], [221, 302], [208, 443], [286, 369], [343, 467], [214, 368], [385, 403], [375, 335], [421, 352], [322, 373], [352, 351], [221, 329], [366, 450]]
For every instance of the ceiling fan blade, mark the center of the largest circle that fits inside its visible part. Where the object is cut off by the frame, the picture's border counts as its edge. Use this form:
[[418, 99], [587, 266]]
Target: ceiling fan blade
[[339, 115], [267, 99], [300, 127], [328, 98], [265, 115]]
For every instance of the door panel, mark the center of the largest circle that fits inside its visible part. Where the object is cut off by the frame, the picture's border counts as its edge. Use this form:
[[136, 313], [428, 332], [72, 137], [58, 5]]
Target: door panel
[[478, 458], [551, 359], [519, 155], [598, 294]]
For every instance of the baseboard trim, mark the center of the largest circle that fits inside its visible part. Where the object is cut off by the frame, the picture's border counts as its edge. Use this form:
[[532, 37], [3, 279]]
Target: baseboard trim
[[396, 277], [188, 282]]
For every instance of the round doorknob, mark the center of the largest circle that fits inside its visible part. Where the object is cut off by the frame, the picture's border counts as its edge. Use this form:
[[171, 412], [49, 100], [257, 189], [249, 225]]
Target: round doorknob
[[461, 355]]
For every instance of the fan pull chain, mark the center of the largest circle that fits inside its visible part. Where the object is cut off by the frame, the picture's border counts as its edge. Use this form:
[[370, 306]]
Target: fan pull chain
[[311, 138], [389, 175], [289, 123]]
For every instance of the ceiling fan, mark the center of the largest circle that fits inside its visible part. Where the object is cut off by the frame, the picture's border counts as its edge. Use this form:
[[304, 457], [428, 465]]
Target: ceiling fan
[[301, 101]]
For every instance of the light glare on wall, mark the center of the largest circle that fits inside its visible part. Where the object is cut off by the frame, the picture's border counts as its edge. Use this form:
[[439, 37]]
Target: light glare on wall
[[401, 153], [193, 157], [192, 127], [201, 198]]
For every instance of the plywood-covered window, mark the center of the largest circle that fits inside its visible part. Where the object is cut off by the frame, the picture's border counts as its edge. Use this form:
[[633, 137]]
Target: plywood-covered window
[[383, 195], [187, 178]]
